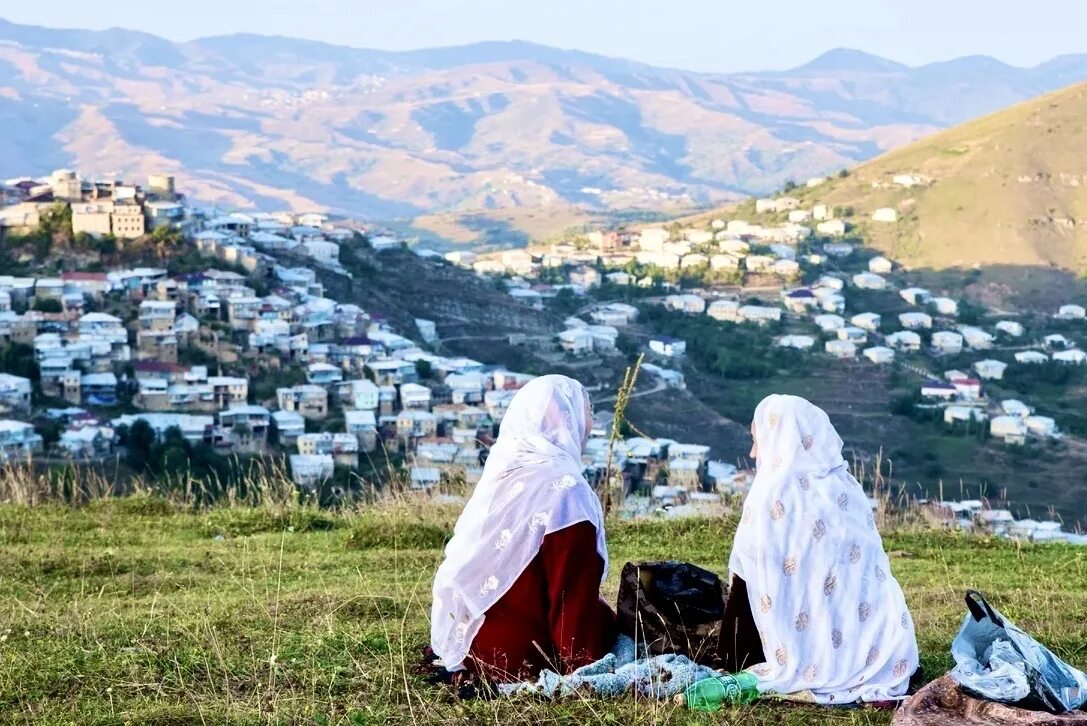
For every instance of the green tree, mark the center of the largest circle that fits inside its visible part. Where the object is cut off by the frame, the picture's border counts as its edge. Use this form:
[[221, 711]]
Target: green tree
[[48, 305], [18, 360], [139, 441], [424, 369]]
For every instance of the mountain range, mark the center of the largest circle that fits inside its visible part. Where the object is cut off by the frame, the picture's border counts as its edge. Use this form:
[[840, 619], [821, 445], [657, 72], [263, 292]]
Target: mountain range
[[482, 130]]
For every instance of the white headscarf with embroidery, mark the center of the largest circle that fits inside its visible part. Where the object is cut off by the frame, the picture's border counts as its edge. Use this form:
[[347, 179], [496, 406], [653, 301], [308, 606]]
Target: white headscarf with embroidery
[[531, 486], [834, 623]]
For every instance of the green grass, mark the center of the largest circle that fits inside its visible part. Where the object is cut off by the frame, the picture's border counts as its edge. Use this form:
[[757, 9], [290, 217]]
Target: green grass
[[132, 611]]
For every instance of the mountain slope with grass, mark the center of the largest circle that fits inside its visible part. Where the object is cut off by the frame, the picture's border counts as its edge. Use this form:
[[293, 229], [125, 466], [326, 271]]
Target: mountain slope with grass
[[1008, 189], [142, 610]]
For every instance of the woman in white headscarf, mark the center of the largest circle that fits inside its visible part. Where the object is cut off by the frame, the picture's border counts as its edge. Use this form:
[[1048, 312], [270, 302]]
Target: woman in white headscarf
[[832, 619], [519, 589]]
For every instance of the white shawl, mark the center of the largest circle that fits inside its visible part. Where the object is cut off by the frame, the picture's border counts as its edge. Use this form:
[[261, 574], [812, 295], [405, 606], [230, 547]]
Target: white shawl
[[532, 485], [833, 620]]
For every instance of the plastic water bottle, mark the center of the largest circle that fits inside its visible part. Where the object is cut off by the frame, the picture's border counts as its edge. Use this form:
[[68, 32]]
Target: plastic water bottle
[[710, 694]]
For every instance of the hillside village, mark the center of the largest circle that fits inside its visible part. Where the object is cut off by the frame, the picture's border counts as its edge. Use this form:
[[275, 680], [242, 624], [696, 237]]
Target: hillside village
[[819, 293], [245, 355]]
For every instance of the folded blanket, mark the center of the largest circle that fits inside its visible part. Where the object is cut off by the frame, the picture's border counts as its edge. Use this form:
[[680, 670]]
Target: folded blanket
[[624, 670]]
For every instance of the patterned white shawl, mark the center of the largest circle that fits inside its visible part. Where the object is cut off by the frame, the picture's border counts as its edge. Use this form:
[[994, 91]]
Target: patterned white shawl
[[833, 620], [532, 485]]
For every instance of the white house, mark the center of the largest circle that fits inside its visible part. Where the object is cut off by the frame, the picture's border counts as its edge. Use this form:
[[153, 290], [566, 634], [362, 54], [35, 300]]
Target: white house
[[799, 300], [799, 215], [18, 440], [830, 282], [832, 303], [694, 259], [1042, 426], [905, 340], [800, 342], [1010, 430], [759, 314], [758, 263], [990, 370], [945, 341], [829, 323], [724, 310], [1032, 357], [915, 295], [853, 334], [1010, 327], [938, 390], [604, 337], [885, 214], [976, 338], [415, 396], [880, 265], [653, 238], [880, 355], [1015, 407], [867, 321], [1072, 357], [724, 262], [576, 341], [615, 314], [954, 414], [309, 471], [667, 346], [1056, 340], [786, 268], [734, 247], [688, 303], [869, 281], [838, 249], [945, 306], [323, 374], [831, 227], [843, 349], [322, 250], [15, 393], [821, 212], [289, 426], [969, 389], [1071, 312]]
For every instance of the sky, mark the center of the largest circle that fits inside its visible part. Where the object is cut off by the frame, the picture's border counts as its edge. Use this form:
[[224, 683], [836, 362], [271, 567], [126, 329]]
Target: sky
[[701, 35]]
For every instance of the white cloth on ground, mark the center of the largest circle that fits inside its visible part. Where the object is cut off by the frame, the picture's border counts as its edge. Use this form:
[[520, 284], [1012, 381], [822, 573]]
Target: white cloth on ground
[[833, 619], [532, 485], [620, 672]]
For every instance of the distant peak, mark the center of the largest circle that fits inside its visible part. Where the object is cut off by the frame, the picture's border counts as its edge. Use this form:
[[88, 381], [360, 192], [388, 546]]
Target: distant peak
[[968, 64], [850, 59]]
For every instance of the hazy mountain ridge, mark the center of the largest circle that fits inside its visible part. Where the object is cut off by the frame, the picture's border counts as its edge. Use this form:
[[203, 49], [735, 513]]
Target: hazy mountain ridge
[[489, 126]]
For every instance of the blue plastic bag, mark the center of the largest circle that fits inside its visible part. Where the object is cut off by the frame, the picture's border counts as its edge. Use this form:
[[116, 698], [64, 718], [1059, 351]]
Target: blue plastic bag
[[997, 661]]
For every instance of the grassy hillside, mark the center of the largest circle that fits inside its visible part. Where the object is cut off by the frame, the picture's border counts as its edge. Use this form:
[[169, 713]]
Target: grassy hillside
[[1007, 195], [1007, 189], [133, 611]]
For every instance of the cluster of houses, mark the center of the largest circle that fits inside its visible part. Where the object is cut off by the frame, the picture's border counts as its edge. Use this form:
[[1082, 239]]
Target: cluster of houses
[[179, 352], [731, 249], [975, 515], [354, 367], [99, 207]]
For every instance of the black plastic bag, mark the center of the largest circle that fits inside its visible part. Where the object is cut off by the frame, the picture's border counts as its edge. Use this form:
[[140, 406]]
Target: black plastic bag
[[672, 607]]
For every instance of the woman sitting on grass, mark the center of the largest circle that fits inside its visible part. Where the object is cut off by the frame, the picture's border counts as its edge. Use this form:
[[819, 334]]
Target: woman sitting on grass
[[519, 590], [832, 619]]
